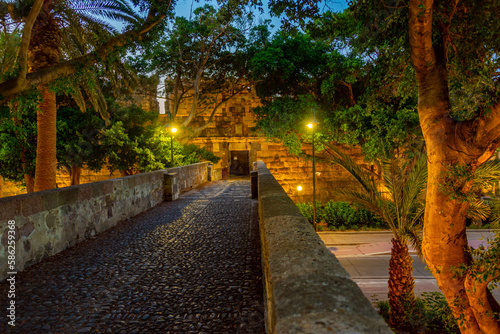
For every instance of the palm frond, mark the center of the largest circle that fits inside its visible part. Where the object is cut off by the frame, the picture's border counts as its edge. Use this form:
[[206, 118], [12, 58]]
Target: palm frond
[[118, 10], [487, 174], [392, 184], [495, 212], [362, 177], [413, 238], [97, 99], [479, 209], [414, 187], [9, 44], [78, 97]]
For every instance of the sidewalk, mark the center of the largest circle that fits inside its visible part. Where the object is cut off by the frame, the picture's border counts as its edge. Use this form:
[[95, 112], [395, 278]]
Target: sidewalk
[[365, 256], [363, 243]]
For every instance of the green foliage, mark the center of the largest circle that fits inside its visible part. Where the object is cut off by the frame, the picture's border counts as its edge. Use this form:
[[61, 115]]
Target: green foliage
[[354, 103], [136, 143], [341, 216], [295, 65], [399, 199], [455, 178], [9, 44], [79, 135], [283, 117], [131, 142], [202, 60], [307, 210], [18, 136], [192, 154], [431, 314], [438, 313]]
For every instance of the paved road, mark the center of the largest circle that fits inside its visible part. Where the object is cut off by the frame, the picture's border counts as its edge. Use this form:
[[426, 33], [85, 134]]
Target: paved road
[[189, 266], [365, 256]]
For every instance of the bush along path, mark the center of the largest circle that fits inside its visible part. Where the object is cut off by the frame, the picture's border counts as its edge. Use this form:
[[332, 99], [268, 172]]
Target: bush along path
[[339, 216], [187, 266]]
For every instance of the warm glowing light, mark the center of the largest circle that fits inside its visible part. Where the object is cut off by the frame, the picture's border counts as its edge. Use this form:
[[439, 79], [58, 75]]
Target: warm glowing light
[[174, 130], [310, 125], [299, 188]]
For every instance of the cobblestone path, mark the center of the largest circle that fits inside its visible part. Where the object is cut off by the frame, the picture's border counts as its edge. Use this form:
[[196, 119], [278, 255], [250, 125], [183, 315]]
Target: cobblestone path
[[189, 266]]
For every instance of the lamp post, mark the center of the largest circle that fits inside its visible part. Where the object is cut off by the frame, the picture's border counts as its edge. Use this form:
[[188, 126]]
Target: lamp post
[[311, 126], [172, 130]]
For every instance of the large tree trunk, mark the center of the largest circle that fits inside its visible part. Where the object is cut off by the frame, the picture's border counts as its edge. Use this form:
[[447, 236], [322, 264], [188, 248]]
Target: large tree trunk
[[75, 173], [28, 179], [30, 183], [44, 52], [401, 284], [449, 143]]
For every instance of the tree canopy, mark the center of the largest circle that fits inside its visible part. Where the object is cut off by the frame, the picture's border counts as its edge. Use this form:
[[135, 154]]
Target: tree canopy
[[299, 73]]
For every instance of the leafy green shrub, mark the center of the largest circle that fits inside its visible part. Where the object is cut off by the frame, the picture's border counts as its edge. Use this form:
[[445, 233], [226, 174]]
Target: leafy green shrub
[[438, 314], [307, 210], [193, 154], [337, 214], [341, 215], [431, 314]]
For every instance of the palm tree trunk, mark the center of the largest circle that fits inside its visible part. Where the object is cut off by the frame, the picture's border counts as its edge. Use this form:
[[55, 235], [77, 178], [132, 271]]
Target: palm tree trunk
[[46, 160], [44, 52], [401, 284]]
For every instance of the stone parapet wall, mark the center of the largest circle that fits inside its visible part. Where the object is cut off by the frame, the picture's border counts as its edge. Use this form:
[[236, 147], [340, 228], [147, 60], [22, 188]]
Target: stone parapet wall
[[48, 222], [63, 179], [307, 289], [191, 176]]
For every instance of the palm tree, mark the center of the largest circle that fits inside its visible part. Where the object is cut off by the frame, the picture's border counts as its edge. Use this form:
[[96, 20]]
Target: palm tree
[[44, 51], [399, 200]]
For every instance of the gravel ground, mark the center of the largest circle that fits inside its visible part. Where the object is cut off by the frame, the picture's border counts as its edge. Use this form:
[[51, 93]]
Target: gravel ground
[[189, 266]]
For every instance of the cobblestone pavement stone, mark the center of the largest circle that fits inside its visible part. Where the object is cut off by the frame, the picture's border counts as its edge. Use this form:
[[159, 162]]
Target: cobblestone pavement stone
[[189, 266]]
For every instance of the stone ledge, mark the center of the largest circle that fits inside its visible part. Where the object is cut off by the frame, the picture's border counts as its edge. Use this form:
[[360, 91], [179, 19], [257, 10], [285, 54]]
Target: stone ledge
[[307, 289]]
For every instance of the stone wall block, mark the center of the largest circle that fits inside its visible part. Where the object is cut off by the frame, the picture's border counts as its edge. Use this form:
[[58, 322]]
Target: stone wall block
[[27, 229], [69, 195], [108, 187], [84, 193], [97, 189], [11, 207], [50, 199], [31, 204]]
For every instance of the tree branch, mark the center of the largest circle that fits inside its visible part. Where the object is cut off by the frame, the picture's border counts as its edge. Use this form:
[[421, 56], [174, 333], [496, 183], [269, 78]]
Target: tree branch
[[422, 51], [25, 40], [19, 84]]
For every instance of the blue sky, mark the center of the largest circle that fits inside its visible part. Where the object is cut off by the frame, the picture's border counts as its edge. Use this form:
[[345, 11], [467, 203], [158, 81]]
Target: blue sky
[[184, 7]]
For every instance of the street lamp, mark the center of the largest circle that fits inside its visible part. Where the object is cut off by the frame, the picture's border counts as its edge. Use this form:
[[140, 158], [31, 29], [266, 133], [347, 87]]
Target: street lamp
[[173, 130], [311, 126]]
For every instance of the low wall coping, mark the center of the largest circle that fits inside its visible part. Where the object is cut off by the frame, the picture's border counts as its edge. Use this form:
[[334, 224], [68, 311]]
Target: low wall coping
[[307, 289]]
